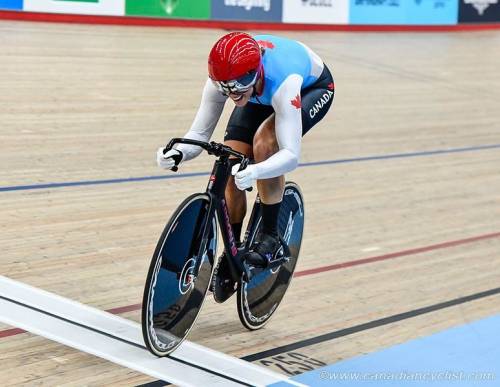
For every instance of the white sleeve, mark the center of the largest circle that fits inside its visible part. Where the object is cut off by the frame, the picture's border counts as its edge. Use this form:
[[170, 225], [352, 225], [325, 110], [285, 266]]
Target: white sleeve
[[209, 112], [288, 126]]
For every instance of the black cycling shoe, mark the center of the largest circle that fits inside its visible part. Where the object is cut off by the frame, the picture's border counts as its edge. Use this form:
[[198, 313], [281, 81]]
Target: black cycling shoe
[[265, 249], [222, 284]]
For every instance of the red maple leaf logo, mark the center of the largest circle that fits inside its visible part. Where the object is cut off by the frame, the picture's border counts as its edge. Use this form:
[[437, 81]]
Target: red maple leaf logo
[[331, 86], [266, 44], [296, 102]]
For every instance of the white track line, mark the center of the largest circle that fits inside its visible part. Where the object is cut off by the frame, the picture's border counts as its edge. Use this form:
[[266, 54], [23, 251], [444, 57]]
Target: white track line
[[132, 352]]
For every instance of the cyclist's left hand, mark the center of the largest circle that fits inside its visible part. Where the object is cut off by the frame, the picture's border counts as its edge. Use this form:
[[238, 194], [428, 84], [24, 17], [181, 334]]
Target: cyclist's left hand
[[246, 178], [168, 160]]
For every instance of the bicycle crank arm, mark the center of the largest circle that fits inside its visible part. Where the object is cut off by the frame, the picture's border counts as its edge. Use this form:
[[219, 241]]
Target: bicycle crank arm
[[278, 262]]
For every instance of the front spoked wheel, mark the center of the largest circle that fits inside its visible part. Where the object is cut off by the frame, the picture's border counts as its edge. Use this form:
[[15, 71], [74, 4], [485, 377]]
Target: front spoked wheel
[[179, 275], [259, 297]]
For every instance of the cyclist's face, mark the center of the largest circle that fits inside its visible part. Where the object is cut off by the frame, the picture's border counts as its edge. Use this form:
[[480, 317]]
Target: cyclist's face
[[241, 99]]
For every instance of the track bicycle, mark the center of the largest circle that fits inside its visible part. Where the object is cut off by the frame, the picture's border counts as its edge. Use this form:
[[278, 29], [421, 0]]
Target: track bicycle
[[184, 263]]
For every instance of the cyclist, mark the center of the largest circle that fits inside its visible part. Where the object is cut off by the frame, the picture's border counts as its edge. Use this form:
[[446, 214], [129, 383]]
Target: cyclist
[[281, 89]]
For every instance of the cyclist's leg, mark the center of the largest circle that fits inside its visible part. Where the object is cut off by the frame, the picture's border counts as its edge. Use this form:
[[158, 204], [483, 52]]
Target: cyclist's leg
[[241, 128], [236, 199], [267, 246], [265, 145]]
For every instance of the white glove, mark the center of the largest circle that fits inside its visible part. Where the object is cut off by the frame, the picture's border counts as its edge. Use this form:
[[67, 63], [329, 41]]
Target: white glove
[[168, 160], [246, 178]]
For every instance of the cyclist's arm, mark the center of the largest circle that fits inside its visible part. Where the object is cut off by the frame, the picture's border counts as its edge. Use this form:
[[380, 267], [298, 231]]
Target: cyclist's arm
[[209, 112], [288, 127]]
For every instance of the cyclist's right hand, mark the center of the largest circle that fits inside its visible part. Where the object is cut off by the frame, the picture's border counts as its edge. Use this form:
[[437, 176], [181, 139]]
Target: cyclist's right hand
[[168, 160]]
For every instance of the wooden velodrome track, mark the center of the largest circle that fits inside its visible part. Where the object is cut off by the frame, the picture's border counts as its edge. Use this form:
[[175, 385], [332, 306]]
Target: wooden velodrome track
[[90, 103]]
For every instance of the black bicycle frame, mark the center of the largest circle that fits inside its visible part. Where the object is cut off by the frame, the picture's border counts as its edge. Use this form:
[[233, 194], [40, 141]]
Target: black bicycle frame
[[216, 191]]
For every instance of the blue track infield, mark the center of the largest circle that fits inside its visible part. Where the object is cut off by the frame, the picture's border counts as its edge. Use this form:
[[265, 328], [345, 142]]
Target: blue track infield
[[468, 355], [193, 174]]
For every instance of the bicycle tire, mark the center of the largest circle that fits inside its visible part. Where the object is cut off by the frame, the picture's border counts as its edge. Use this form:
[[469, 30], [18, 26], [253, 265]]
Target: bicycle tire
[[259, 298], [173, 293]]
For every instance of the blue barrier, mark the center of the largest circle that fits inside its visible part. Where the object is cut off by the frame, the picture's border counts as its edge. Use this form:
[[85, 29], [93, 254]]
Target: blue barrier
[[425, 12], [11, 4]]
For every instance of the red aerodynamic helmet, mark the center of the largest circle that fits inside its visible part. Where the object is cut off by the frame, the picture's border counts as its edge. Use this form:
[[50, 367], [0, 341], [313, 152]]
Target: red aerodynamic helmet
[[234, 62]]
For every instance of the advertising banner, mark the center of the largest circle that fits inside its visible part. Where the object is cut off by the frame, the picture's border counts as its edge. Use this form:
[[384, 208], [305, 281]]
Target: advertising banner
[[316, 11], [248, 10], [477, 11], [11, 4], [184, 9], [85, 7], [403, 12]]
